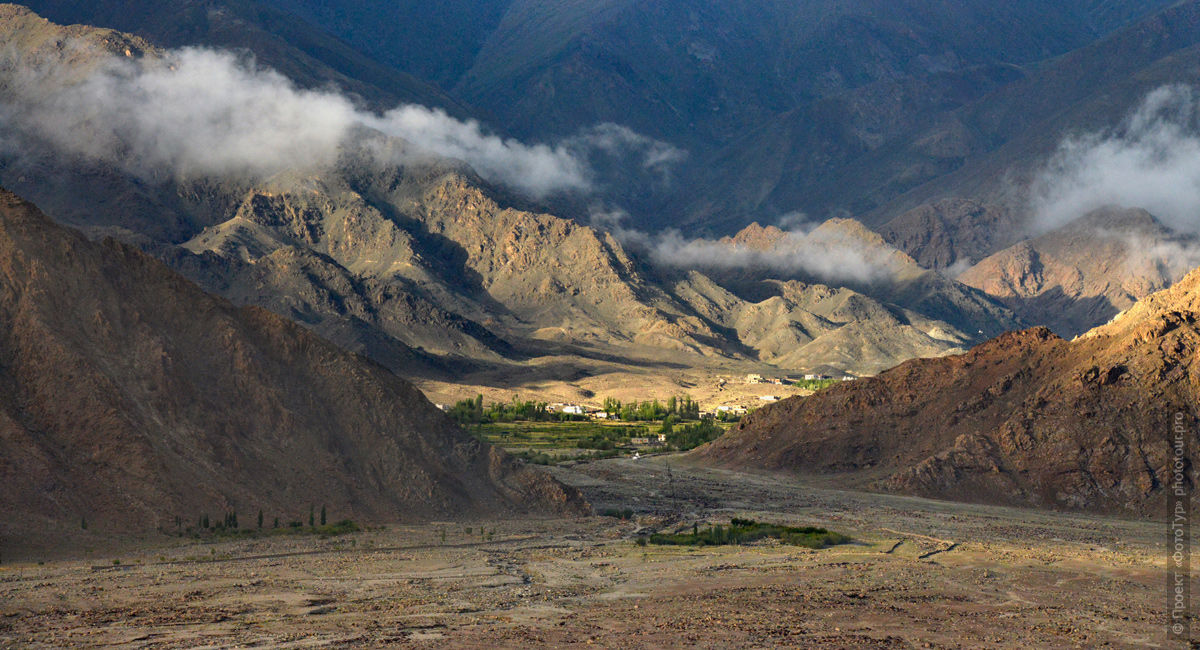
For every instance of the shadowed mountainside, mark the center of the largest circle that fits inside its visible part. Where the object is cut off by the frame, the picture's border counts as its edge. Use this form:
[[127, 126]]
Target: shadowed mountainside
[[298, 49], [128, 396]]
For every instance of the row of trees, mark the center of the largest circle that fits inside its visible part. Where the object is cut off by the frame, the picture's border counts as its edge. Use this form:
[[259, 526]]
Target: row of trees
[[472, 411], [676, 409], [682, 408], [690, 436], [230, 520]]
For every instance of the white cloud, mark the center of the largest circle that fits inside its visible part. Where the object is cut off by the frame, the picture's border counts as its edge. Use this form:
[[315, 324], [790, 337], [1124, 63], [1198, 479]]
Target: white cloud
[[803, 249], [1152, 162], [622, 143], [538, 170], [199, 112]]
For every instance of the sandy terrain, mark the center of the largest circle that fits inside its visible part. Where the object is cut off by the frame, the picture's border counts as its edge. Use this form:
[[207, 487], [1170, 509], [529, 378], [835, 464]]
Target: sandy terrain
[[921, 574], [565, 380]]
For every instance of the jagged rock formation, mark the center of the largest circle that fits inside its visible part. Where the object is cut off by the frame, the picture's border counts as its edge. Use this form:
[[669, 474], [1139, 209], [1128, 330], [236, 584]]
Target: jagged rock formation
[[430, 240], [862, 260], [813, 325], [130, 397], [1024, 419], [1083, 274], [951, 234]]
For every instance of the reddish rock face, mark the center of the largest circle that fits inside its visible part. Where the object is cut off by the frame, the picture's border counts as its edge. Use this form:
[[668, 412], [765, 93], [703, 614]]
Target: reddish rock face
[[1026, 418], [1083, 274], [130, 397]]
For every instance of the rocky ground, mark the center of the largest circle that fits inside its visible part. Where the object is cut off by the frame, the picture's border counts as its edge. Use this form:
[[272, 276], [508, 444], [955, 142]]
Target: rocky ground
[[920, 574]]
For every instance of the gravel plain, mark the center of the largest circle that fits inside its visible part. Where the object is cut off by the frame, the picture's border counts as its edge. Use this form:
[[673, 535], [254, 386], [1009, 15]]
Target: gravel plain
[[920, 574]]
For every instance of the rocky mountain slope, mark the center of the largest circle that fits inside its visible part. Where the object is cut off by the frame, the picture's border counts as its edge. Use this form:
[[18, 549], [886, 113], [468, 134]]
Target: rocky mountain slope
[[130, 397], [813, 326], [302, 51], [1024, 419], [523, 280], [1086, 272], [951, 234], [959, 131], [426, 244], [846, 252], [1018, 127], [416, 262]]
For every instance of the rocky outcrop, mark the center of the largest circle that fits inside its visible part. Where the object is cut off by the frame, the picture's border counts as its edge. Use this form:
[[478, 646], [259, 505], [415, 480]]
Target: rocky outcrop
[[1081, 275], [813, 325], [951, 234]]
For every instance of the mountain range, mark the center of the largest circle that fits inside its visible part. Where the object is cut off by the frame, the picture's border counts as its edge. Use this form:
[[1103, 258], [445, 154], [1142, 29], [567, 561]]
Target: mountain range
[[516, 195], [421, 264], [1024, 419], [383, 258]]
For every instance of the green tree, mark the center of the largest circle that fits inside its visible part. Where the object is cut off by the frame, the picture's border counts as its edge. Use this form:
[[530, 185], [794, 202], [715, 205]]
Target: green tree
[[83, 523], [260, 519], [311, 516], [668, 424], [322, 514], [688, 408]]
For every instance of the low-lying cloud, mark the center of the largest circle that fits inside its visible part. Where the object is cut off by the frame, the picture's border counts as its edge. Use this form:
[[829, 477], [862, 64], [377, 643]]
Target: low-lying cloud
[[804, 249], [1168, 260], [199, 112], [1152, 161]]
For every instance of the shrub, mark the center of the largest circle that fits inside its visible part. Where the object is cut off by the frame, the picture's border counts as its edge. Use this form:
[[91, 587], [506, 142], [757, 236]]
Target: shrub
[[744, 531], [625, 514]]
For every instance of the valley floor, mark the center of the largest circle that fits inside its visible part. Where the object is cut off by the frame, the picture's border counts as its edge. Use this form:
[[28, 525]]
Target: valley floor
[[920, 574]]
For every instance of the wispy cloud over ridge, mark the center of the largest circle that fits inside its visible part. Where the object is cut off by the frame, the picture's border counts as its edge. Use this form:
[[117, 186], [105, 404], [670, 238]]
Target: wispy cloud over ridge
[[1152, 161], [200, 112], [801, 248]]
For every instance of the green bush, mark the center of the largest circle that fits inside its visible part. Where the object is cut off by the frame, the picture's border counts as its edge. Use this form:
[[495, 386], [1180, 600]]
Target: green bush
[[625, 514], [745, 531], [690, 436]]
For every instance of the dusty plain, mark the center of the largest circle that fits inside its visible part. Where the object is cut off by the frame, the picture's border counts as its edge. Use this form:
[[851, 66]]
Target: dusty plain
[[921, 574]]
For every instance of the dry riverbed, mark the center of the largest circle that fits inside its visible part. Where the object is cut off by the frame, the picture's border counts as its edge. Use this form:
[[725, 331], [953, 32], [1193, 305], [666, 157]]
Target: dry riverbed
[[920, 574]]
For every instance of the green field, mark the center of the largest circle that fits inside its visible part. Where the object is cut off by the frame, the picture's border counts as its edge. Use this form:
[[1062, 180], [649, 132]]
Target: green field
[[559, 435], [545, 442]]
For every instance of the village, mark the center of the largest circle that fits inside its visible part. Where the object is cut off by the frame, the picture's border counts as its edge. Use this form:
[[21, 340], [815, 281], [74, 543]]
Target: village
[[735, 403], [557, 432]]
